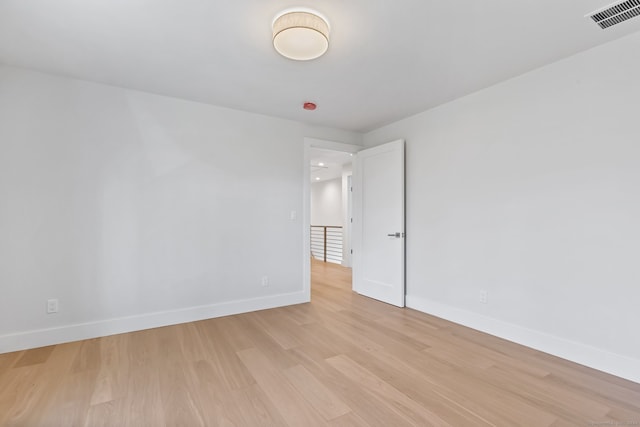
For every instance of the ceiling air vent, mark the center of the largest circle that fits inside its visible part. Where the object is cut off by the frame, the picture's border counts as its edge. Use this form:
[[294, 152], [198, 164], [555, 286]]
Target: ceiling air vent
[[616, 13]]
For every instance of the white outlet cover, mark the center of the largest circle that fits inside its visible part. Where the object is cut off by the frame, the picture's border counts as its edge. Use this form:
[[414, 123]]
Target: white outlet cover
[[52, 306], [484, 297]]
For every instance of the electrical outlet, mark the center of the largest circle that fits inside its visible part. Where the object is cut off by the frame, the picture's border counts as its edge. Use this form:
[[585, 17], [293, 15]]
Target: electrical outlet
[[265, 281], [52, 306], [484, 297]]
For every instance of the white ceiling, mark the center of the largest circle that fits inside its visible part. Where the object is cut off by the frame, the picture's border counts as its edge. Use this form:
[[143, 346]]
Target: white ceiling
[[327, 164], [388, 59]]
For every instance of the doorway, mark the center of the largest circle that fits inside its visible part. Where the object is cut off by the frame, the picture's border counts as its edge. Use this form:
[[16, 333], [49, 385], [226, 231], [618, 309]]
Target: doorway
[[327, 179], [378, 218], [329, 206]]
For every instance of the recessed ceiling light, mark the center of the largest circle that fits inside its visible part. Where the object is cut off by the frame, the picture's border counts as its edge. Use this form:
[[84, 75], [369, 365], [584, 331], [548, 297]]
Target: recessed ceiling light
[[300, 34], [320, 164], [317, 178]]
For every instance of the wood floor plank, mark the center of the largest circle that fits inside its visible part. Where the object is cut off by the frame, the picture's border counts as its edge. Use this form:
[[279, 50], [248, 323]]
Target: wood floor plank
[[36, 386], [341, 360], [389, 396], [20, 389], [261, 340], [554, 399], [143, 401], [209, 394], [420, 387], [176, 392], [366, 407], [250, 406], [113, 370], [282, 394], [34, 357], [192, 342], [224, 363], [316, 393], [350, 419], [7, 360], [279, 328], [103, 414], [70, 404], [237, 331], [301, 314]]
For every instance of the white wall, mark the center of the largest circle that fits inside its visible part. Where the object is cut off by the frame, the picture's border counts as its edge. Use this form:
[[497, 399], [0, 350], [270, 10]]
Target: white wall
[[531, 190], [326, 202], [137, 210]]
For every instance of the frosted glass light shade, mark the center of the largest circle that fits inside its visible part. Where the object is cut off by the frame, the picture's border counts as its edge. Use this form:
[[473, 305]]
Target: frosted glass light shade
[[300, 35]]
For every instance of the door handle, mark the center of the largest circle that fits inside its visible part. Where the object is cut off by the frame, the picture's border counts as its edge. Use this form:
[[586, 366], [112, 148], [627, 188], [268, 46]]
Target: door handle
[[396, 235]]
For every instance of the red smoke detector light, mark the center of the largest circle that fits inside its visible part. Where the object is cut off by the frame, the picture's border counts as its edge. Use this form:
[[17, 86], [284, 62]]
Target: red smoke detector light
[[309, 106]]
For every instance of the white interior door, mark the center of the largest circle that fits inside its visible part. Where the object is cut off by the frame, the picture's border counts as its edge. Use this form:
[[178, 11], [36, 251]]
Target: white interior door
[[378, 223]]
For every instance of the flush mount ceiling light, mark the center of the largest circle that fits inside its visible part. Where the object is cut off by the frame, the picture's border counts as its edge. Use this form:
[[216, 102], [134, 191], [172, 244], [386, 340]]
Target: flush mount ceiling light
[[301, 34]]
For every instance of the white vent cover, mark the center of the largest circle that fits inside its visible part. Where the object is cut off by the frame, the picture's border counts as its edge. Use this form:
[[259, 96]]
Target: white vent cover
[[616, 13]]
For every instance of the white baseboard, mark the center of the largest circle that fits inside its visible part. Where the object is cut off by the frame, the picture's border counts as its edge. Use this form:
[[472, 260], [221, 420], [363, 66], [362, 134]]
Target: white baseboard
[[82, 331], [602, 360]]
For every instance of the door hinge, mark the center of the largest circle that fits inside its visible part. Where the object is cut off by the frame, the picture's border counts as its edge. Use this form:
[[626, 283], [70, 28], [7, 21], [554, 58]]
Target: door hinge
[[351, 251]]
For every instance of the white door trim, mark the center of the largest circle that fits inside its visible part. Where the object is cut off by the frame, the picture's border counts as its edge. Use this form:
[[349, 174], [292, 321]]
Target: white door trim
[[306, 202]]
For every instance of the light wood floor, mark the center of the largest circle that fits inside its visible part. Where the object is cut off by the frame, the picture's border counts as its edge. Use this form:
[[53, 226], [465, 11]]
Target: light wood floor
[[342, 360]]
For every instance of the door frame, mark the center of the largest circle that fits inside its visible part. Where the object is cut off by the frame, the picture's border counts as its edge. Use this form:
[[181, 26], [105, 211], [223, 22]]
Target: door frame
[[347, 215], [306, 202]]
